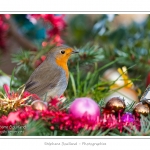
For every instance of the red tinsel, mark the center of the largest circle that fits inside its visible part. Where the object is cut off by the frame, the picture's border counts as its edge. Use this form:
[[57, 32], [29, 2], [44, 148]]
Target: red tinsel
[[60, 119], [13, 95]]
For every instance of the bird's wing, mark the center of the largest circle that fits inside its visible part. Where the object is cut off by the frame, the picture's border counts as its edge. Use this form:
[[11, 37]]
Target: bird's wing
[[45, 77]]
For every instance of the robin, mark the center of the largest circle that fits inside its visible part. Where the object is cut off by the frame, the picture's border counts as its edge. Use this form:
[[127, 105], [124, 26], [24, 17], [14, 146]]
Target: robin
[[51, 76]]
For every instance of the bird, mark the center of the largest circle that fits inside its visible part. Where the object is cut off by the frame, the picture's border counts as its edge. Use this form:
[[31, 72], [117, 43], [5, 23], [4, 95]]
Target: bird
[[51, 77]]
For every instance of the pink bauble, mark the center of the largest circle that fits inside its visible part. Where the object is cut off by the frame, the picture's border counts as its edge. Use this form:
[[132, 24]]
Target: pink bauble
[[85, 107]]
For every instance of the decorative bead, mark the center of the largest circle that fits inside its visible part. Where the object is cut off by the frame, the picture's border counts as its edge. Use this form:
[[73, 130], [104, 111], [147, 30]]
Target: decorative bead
[[39, 105]]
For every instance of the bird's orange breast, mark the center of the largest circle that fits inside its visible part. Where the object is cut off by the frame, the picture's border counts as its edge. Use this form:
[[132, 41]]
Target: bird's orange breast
[[63, 64]]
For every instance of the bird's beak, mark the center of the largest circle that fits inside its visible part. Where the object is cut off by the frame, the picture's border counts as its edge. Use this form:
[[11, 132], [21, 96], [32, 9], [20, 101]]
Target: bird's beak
[[75, 51]]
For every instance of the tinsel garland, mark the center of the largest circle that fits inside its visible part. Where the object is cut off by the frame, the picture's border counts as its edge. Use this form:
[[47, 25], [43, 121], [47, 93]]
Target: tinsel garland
[[57, 118], [61, 120]]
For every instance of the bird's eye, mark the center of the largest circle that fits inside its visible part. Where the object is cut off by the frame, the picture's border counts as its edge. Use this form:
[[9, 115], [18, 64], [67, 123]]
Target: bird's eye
[[63, 52]]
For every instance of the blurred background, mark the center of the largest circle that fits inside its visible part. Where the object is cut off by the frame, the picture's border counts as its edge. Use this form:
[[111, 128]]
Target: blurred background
[[19, 32], [101, 39]]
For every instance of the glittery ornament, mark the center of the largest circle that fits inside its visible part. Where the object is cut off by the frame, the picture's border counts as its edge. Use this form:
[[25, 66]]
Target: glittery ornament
[[38, 105], [122, 86], [115, 104], [85, 107], [141, 108], [129, 95], [113, 75], [12, 100], [119, 76], [127, 117]]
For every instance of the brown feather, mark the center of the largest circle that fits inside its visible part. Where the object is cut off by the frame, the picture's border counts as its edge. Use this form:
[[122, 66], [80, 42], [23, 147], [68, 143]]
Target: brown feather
[[40, 83]]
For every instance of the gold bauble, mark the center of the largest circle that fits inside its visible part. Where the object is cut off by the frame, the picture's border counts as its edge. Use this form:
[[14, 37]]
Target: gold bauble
[[116, 104], [129, 95], [39, 105], [141, 108]]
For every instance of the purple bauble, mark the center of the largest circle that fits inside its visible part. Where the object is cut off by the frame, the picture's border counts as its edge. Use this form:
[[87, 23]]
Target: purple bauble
[[85, 106], [127, 117]]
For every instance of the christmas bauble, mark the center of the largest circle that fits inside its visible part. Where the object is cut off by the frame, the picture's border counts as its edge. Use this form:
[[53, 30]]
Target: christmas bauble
[[113, 75], [129, 95], [39, 105], [127, 117], [85, 106], [115, 104], [141, 108]]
